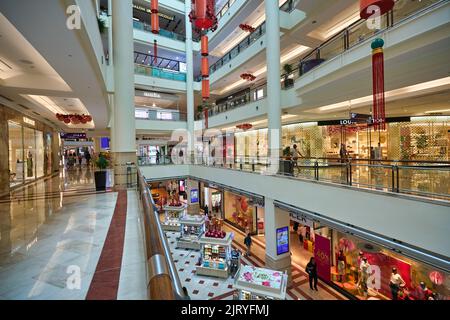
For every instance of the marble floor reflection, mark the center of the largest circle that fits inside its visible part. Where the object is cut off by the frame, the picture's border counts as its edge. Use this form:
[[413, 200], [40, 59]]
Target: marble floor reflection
[[51, 236]]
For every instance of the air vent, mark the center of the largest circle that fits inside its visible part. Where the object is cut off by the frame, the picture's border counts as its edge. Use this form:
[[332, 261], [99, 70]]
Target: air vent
[[2, 96], [22, 106]]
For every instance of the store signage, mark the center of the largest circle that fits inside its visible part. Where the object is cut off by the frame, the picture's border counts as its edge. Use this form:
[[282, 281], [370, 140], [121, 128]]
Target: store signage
[[352, 122], [73, 135], [152, 94], [282, 240], [360, 117], [29, 121], [162, 15], [322, 252], [140, 114]]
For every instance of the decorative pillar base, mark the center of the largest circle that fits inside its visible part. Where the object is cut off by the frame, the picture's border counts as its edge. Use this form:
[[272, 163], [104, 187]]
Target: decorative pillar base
[[124, 178], [283, 264]]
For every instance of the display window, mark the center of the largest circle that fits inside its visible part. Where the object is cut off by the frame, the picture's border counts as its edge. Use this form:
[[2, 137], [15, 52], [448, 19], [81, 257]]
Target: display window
[[40, 153], [16, 159], [29, 153], [369, 271], [240, 213]]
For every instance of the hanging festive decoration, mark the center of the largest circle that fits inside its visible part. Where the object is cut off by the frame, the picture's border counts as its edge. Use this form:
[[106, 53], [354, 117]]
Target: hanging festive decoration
[[370, 7], [248, 77], [74, 118], [245, 126], [154, 16], [247, 28], [378, 109], [203, 15]]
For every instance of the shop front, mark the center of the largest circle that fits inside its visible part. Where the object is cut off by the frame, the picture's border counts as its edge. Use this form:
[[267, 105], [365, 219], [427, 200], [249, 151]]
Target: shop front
[[405, 138], [242, 212], [366, 270], [31, 149]]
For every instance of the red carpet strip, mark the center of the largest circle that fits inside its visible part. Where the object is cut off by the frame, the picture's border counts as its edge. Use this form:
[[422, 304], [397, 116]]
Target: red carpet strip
[[105, 282]]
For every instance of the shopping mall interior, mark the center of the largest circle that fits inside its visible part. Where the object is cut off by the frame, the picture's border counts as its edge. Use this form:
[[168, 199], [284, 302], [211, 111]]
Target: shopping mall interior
[[225, 150]]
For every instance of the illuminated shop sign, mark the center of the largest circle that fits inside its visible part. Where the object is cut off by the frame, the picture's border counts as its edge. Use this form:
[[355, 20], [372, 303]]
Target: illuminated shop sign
[[65, 135], [29, 121]]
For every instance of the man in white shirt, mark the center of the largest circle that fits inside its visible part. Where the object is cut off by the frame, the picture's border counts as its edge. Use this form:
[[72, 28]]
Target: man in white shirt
[[396, 283]]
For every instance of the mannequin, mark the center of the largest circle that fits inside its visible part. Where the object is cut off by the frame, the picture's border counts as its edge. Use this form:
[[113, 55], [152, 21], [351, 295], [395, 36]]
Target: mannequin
[[396, 283], [341, 265], [364, 270]]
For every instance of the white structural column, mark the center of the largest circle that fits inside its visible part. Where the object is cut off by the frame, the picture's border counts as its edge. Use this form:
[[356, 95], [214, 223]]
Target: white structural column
[[189, 78], [124, 124], [274, 219], [273, 80]]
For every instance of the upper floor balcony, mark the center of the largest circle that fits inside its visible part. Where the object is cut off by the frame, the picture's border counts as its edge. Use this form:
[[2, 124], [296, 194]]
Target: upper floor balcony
[[344, 41]]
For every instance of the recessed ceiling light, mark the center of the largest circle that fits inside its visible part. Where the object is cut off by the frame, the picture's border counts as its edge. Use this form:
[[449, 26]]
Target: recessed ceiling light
[[26, 61]]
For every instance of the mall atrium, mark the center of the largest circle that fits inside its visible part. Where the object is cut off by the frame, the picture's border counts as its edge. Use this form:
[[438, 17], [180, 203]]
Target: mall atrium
[[225, 150]]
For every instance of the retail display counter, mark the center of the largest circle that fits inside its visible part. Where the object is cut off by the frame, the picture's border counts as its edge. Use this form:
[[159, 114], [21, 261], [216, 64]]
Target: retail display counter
[[261, 284], [192, 228], [216, 253], [172, 217]]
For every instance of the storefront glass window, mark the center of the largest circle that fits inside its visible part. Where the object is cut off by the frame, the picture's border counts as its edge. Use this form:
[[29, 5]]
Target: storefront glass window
[[40, 151], [239, 212], [16, 161], [29, 153], [417, 281]]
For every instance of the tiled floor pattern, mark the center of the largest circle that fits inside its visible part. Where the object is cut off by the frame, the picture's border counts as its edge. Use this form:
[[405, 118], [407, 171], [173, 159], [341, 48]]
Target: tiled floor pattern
[[202, 287]]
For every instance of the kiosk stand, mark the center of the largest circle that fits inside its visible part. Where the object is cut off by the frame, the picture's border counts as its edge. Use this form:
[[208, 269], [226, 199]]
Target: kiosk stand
[[216, 255], [192, 228], [172, 217], [260, 284]]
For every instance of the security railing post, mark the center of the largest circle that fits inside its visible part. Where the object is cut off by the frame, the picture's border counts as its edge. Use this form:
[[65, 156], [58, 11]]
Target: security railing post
[[349, 172], [397, 169], [316, 170], [393, 178]]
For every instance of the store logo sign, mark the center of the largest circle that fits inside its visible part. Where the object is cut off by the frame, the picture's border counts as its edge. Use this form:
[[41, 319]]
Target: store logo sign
[[29, 121]]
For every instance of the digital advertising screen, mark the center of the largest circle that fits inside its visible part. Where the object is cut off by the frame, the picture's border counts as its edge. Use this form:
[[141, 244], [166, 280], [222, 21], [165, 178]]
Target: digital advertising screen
[[282, 240], [194, 195]]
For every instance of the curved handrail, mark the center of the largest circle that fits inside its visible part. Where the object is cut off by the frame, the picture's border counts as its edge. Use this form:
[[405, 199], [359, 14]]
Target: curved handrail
[[163, 283]]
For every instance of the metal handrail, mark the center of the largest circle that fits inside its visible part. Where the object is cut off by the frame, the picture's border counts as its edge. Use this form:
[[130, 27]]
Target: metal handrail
[[156, 61], [162, 281]]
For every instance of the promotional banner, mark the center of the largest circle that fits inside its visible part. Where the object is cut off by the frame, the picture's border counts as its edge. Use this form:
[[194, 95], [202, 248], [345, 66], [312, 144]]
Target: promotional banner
[[322, 251], [282, 240]]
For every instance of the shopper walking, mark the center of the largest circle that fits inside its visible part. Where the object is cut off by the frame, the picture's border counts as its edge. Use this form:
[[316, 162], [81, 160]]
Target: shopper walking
[[311, 270], [158, 156], [343, 153], [87, 155], [295, 156], [248, 244]]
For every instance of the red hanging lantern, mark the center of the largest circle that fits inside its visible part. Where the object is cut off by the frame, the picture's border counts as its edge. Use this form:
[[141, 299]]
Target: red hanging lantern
[[379, 104], [204, 43], [154, 17], [245, 126], [66, 120], [203, 14], [205, 89], [205, 67], [370, 7]]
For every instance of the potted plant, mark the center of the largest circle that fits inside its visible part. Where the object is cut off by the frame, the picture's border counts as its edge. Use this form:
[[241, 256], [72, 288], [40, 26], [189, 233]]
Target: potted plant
[[101, 25], [288, 82], [100, 176]]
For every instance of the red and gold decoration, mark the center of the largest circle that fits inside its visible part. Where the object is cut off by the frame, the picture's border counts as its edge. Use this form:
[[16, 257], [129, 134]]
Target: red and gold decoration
[[366, 11], [248, 77], [203, 18], [247, 28], [214, 229], [154, 16], [74, 118], [244, 126], [203, 15], [379, 104]]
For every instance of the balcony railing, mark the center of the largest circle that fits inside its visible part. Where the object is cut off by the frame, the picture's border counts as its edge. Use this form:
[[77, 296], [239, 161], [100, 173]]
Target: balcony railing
[[420, 178], [161, 115], [159, 73], [139, 25], [343, 41], [156, 61]]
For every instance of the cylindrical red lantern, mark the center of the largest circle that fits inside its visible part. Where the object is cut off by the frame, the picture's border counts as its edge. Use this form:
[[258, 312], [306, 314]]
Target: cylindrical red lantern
[[205, 67], [155, 23], [204, 42], [205, 89], [370, 7], [379, 104], [203, 15]]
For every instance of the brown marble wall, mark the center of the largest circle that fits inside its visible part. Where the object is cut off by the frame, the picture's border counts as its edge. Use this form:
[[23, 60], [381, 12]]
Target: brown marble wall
[[4, 153]]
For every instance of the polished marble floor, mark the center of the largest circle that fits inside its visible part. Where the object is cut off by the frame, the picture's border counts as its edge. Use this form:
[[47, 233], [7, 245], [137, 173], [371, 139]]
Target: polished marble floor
[[52, 235]]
